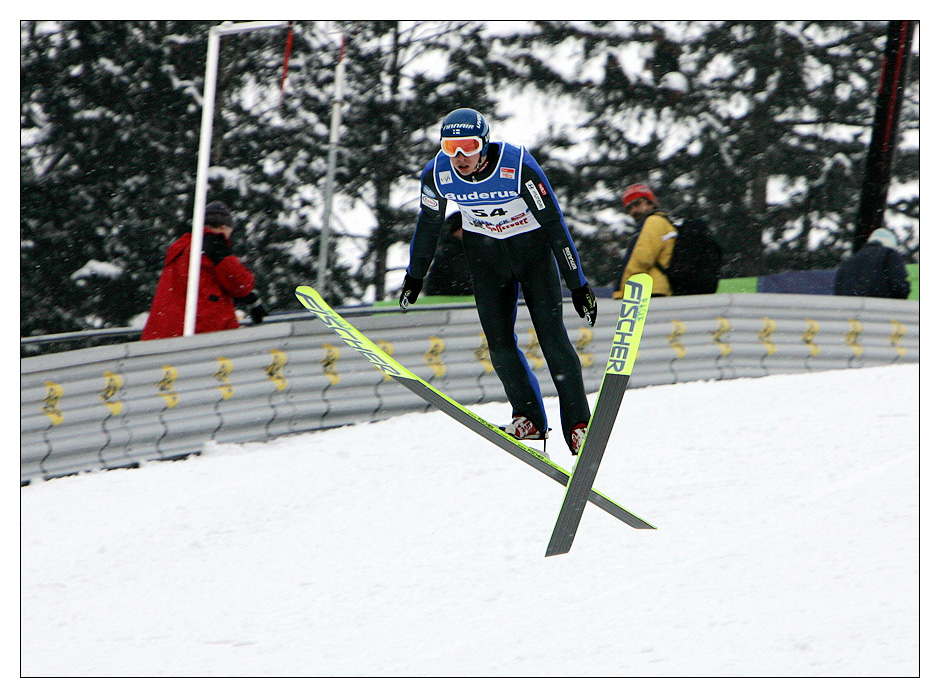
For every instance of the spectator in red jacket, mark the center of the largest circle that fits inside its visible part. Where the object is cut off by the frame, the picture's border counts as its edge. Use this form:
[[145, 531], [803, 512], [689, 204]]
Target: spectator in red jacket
[[222, 279]]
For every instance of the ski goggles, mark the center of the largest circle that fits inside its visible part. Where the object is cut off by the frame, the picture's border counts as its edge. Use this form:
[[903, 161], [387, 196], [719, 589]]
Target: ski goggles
[[468, 145]]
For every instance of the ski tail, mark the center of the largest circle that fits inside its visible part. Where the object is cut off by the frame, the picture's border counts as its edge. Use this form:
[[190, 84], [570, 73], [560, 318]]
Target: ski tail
[[623, 352], [539, 460]]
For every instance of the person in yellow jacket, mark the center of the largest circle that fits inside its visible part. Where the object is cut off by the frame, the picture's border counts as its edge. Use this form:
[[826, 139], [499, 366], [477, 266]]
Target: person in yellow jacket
[[657, 238]]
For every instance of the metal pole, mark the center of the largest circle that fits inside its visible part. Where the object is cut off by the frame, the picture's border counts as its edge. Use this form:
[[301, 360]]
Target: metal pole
[[202, 166], [884, 133], [323, 271]]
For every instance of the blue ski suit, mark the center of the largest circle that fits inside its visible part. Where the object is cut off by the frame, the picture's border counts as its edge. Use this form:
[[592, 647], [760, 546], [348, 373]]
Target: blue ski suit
[[515, 238]]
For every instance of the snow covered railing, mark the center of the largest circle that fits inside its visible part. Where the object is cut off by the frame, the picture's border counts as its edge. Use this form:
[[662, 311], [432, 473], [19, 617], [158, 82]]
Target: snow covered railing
[[116, 406]]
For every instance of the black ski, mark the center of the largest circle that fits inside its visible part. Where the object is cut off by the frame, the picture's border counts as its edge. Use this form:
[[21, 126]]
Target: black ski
[[492, 433], [623, 351]]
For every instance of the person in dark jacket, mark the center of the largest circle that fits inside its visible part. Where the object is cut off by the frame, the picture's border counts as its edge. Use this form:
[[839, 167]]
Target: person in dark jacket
[[449, 274], [876, 270], [222, 279]]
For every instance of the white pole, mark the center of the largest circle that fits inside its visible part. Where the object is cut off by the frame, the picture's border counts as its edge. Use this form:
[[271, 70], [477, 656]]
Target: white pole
[[202, 166], [323, 266]]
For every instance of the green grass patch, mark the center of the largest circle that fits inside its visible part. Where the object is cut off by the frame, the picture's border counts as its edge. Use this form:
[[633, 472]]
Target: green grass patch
[[745, 285], [913, 275], [429, 300]]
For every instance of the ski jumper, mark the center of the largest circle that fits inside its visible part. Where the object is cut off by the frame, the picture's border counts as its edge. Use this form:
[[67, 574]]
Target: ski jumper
[[515, 238]]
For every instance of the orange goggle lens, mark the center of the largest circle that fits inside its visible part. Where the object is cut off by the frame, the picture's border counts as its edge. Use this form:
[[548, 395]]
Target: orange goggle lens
[[468, 146]]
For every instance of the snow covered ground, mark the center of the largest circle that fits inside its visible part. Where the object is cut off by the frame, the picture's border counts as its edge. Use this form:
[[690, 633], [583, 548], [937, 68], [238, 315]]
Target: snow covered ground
[[788, 544]]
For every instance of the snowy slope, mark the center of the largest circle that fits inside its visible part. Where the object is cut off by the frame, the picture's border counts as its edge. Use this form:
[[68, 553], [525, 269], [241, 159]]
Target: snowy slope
[[787, 545]]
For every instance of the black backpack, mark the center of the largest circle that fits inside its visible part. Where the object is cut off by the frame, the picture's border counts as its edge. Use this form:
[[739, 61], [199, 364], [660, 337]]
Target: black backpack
[[695, 267]]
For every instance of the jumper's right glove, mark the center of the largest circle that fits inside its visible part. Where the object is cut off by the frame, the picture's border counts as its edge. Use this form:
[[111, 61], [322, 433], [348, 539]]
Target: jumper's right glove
[[585, 303], [410, 289], [216, 247]]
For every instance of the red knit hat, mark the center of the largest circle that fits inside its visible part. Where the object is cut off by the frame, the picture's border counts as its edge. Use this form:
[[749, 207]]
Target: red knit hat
[[638, 191]]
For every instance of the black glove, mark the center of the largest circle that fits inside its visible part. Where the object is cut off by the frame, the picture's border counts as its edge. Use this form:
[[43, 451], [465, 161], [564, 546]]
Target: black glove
[[216, 247], [409, 291], [585, 303], [256, 308]]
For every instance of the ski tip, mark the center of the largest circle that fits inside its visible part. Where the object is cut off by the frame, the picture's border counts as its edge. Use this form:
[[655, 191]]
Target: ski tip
[[557, 550], [308, 297], [645, 280], [559, 544]]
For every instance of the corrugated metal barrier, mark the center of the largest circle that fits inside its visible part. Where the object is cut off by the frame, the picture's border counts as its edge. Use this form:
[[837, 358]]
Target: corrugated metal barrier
[[116, 406]]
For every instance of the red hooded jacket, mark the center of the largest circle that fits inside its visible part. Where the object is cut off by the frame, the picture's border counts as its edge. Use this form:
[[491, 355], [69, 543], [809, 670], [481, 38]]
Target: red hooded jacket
[[218, 285]]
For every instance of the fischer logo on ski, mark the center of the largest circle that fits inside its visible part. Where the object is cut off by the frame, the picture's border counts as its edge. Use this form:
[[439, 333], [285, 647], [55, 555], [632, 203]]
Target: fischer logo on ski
[[626, 342], [623, 351]]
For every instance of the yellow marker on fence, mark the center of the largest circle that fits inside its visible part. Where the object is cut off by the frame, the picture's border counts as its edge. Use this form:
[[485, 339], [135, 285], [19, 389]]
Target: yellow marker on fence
[[433, 357], [581, 344], [329, 363], [223, 374], [766, 334], [275, 370], [675, 338], [718, 336], [809, 336], [50, 405], [851, 337], [482, 354], [112, 385], [533, 351], [165, 387], [390, 350], [897, 336]]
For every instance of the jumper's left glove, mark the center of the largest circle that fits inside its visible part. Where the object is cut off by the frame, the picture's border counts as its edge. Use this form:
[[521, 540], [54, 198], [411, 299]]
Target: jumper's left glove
[[409, 291], [256, 308], [585, 303]]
